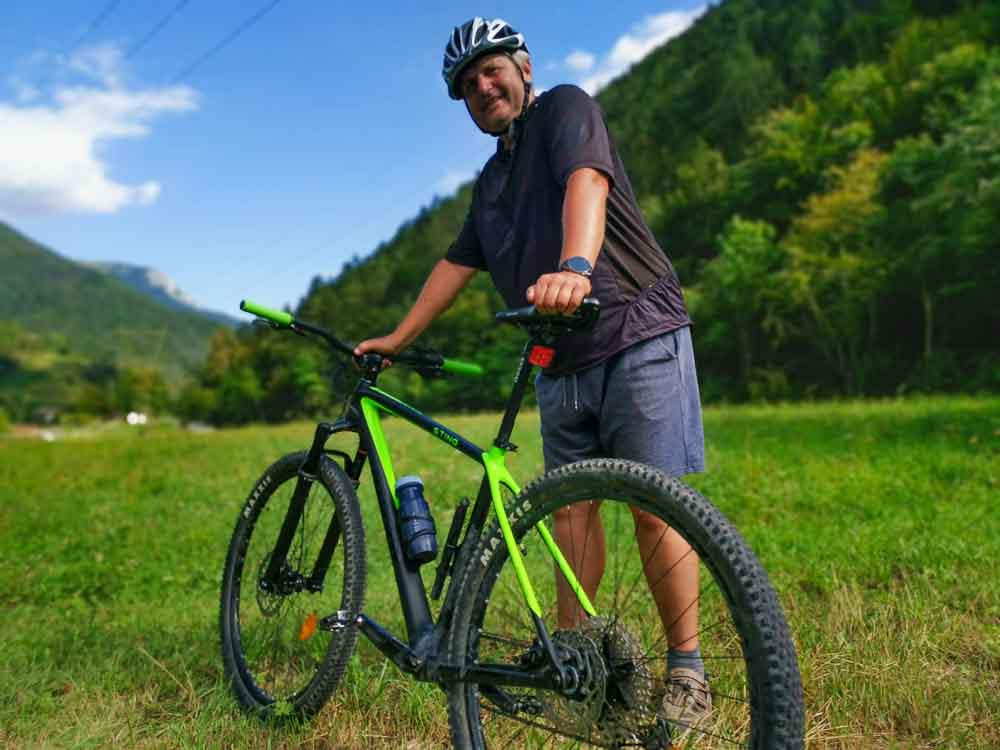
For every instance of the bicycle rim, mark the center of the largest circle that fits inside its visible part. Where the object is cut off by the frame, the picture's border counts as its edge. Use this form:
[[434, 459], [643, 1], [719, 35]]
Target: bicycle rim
[[737, 624], [282, 662]]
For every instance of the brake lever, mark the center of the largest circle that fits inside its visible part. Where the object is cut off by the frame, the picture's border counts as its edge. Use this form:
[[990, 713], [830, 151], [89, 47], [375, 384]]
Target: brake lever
[[430, 371], [273, 326]]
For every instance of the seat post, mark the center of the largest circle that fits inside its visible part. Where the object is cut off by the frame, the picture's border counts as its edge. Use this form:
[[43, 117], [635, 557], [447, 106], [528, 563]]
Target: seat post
[[514, 401]]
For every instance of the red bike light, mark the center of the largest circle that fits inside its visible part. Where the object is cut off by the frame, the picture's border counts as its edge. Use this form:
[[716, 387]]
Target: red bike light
[[541, 355]]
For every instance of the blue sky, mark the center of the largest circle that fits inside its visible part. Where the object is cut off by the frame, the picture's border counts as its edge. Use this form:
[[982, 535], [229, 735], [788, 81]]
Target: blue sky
[[307, 139]]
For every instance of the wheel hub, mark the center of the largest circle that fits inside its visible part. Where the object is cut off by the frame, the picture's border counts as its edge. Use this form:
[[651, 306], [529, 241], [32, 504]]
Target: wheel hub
[[270, 594]]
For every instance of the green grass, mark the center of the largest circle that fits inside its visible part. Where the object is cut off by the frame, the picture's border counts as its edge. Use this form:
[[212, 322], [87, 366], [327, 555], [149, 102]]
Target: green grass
[[877, 523]]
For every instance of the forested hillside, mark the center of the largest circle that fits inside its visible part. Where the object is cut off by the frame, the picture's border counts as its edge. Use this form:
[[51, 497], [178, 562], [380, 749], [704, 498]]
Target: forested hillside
[[825, 177], [75, 339]]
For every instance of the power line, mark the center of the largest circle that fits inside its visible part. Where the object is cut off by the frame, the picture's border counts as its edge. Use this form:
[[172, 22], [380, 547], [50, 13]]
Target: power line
[[134, 49], [225, 42], [95, 24], [285, 268]]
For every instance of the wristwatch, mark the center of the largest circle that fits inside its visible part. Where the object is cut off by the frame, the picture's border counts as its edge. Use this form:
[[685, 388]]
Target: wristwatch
[[577, 264]]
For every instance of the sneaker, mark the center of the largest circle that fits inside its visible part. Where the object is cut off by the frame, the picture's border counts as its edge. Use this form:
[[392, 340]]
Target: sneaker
[[688, 702]]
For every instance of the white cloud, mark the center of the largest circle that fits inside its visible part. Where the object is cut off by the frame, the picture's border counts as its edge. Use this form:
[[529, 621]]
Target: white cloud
[[650, 33], [50, 140], [453, 180], [102, 63], [580, 61], [23, 91]]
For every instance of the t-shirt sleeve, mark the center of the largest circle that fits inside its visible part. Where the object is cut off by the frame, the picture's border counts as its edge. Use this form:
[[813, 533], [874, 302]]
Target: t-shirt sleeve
[[576, 134], [466, 249]]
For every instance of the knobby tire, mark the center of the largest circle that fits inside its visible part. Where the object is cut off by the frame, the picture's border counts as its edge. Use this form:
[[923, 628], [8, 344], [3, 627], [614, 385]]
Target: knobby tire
[[744, 639], [279, 664]]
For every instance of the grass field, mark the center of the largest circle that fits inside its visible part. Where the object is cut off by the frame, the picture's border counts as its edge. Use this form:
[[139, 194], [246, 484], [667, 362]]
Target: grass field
[[878, 523]]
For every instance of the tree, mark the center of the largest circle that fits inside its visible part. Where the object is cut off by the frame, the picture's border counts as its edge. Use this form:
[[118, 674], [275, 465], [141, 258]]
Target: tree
[[941, 88], [915, 68], [944, 209], [688, 214], [740, 305], [860, 96], [835, 272], [789, 159]]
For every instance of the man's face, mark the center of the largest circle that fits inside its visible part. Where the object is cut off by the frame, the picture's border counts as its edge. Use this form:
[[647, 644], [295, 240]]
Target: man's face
[[493, 91]]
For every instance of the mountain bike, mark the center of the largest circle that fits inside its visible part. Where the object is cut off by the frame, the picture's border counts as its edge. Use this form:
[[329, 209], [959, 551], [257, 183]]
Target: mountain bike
[[293, 585]]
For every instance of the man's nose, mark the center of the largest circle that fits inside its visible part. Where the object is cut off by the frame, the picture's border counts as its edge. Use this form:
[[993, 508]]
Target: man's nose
[[482, 84]]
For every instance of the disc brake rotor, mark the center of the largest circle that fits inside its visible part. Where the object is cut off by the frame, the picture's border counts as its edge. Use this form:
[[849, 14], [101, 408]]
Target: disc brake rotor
[[269, 601], [577, 715]]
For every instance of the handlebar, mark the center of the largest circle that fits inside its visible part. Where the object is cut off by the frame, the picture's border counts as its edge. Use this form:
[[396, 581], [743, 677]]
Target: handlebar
[[424, 360], [277, 317], [585, 316], [428, 362]]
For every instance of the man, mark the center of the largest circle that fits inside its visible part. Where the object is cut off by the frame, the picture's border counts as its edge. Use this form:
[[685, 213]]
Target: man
[[553, 220]]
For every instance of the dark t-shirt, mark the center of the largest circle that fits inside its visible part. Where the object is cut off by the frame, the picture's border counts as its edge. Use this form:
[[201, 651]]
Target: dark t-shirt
[[514, 230]]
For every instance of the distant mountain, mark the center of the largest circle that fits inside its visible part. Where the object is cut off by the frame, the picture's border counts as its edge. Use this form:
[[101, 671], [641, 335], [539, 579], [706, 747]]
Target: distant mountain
[[94, 314], [162, 288]]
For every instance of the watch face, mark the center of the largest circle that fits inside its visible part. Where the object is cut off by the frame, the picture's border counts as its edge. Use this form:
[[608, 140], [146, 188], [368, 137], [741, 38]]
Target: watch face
[[577, 264]]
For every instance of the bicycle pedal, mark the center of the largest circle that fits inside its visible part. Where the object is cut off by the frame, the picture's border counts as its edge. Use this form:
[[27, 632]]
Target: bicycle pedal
[[339, 620]]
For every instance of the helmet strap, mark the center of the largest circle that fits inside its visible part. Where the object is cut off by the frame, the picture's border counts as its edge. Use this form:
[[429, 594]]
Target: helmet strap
[[515, 126]]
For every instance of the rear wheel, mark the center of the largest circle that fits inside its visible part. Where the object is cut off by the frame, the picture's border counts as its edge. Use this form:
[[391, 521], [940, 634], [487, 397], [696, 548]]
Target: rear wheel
[[620, 655], [280, 658]]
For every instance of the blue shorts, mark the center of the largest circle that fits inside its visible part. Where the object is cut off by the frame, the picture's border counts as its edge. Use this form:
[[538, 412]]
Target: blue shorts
[[641, 404]]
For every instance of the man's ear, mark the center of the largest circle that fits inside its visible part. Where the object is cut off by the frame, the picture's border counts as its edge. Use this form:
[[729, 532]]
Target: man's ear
[[526, 70]]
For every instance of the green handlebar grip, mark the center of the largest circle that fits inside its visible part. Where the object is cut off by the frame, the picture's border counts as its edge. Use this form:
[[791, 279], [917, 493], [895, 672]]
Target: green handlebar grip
[[275, 316], [457, 367]]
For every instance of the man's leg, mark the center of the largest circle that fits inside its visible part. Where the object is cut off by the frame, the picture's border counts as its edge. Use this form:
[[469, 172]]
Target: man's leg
[[580, 535], [671, 569], [652, 414], [568, 407], [669, 564]]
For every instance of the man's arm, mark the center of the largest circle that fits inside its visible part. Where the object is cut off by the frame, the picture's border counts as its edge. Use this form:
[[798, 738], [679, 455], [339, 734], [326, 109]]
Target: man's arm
[[446, 280], [583, 217]]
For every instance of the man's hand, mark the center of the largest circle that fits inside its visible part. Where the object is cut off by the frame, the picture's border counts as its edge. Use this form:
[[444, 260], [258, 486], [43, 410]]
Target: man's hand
[[560, 292], [384, 345]]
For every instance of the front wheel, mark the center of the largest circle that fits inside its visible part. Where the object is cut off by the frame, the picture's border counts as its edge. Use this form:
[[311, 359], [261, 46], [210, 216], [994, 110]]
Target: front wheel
[[281, 659], [637, 531]]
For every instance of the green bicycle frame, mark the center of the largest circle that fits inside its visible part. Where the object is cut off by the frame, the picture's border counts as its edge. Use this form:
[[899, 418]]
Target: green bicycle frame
[[373, 401], [421, 656]]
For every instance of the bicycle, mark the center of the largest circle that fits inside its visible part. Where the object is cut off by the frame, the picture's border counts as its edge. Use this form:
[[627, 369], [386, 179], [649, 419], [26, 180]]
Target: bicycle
[[294, 581]]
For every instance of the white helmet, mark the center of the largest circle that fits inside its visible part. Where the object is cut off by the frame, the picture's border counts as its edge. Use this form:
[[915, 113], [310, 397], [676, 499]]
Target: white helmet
[[472, 39]]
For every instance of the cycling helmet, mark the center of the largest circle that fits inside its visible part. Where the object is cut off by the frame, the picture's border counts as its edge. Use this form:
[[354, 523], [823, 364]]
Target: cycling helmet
[[472, 39]]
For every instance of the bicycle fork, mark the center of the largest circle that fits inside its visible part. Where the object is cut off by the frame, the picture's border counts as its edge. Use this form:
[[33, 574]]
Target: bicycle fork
[[276, 578]]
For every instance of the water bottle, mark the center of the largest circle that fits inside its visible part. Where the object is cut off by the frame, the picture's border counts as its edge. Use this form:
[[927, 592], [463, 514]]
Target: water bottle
[[419, 535]]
